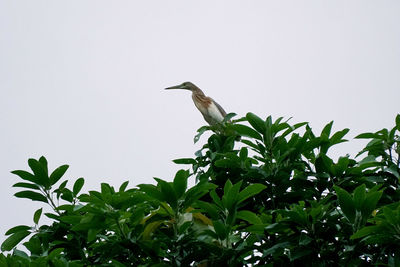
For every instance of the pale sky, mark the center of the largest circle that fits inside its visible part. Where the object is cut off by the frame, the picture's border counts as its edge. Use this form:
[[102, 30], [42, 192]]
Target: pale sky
[[82, 81]]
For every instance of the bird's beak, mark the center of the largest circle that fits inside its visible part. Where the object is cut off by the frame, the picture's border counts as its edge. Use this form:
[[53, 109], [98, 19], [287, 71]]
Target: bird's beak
[[181, 86]]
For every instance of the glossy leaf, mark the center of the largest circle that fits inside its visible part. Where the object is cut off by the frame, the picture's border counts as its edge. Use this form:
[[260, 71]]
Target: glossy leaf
[[18, 228], [370, 202], [346, 203], [366, 136], [13, 240], [34, 196], [123, 186], [184, 161], [220, 229], [364, 232], [25, 175], [250, 191], [152, 191], [211, 209], [232, 196], [78, 186], [37, 215], [359, 196], [56, 175], [200, 132], [326, 131], [180, 182], [248, 216], [256, 122], [398, 122], [244, 130], [26, 185], [168, 193], [40, 172]]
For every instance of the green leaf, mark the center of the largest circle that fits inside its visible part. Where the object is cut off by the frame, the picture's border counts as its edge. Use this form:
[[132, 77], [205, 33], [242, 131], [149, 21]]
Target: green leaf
[[250, 191], [120, 264], [62, 185], [152, 191], [370, 202], [232, 196], [220, 229], [346, 203], [269, 134], [365, 231], [200, 132], [390, 216], [180, 182], [228, 185], [43, 161], [168, 192], [106, 189], [243, 154], [294, 127], [337, 137], [398, 122], [27, 185], [151, 228], [40, 172], [227, 163], [197, 192], [359, 196], [275, 247], [256, 122], [78, 186], [216, 199], [31, 195], [25, 175], [323, 163], [13, 240], [229, 116], [52, 216], [327, 130], [56, 175], [366, 136], [123, 186], [18, 228], [248, 216], [305, 240], [37, 215], [67, 195], [211, 209], [244, 130], [185, 161], [55, 252]]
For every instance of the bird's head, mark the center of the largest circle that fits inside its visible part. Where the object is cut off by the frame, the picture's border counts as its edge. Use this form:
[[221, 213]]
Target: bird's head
[[186, 85]]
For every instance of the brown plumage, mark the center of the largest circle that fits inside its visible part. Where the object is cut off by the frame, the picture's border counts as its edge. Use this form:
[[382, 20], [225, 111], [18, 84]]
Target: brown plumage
[[212, 112]]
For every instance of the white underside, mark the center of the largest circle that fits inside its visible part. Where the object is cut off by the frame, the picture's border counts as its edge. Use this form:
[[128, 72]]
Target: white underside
[[214, 112]]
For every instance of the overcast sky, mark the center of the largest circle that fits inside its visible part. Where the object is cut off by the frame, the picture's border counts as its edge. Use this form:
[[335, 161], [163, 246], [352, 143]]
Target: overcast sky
[[82, 81]]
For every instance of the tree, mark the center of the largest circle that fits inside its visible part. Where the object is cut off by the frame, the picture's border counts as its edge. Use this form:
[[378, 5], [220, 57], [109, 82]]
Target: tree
[[266, 193]]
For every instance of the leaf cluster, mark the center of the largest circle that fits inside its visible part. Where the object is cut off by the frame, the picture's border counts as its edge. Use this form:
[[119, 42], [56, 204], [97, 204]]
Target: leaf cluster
[[267, 193]]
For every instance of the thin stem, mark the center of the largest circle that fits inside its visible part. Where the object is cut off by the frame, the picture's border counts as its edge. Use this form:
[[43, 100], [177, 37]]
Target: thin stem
[[52, 205], [120, 229], [390, 154]]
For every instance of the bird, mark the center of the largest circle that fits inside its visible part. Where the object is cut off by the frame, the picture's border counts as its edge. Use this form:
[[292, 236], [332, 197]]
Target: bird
[[212, 112]]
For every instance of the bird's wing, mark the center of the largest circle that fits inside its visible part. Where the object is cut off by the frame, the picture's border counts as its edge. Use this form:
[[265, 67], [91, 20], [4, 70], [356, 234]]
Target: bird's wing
[[220, 109]]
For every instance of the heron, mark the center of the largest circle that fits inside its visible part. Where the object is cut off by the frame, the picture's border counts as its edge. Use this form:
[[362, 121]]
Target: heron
[[212, 112]]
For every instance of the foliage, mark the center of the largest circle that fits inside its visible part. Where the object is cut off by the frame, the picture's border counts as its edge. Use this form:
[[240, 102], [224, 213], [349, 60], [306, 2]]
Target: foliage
[[266, 193]]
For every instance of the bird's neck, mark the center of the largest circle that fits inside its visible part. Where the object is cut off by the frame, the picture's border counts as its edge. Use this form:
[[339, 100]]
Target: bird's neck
[[201, 100], [198, 92]]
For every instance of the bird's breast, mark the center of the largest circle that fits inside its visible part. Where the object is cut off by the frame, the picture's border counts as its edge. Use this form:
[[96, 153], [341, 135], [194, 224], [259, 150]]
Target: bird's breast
[[201, 103], [214, 112]]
